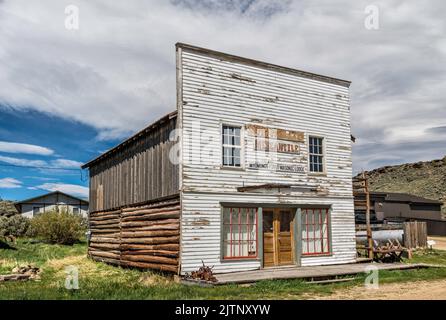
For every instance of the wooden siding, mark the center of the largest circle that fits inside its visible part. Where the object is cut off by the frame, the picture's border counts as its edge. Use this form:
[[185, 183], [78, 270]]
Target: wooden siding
[[216, 91], [138, 172], [145, 237]]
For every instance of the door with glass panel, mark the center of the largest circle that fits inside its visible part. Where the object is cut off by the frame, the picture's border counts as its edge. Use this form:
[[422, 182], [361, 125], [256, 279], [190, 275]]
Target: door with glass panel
[[278, 237]]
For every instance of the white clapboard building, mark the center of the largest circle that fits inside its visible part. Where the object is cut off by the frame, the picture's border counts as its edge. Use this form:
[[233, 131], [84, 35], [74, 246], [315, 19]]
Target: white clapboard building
[[254, 168], [52, 201]]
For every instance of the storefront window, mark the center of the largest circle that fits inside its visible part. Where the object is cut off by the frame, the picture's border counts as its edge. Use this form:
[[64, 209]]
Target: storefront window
[[239, 233], [315, 231]]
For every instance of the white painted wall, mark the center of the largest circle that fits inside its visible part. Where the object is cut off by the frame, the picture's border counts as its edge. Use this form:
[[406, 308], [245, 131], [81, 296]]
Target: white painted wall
[[210, 95], [49, 202]]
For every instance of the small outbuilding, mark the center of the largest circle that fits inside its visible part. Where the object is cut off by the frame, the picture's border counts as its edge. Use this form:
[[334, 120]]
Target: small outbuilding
[[401, 207], [51, 201], [252, 170]]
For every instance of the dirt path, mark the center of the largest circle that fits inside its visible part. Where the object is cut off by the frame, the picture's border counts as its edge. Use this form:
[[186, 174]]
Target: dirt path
[[440, 242], [417, 290]]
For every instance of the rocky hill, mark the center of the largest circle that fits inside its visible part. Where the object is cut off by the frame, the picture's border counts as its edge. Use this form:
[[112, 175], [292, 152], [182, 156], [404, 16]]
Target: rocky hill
[[425, 178]]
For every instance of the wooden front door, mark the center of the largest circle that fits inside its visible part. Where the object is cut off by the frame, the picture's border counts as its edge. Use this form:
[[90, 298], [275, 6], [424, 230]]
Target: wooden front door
[[278, 235]]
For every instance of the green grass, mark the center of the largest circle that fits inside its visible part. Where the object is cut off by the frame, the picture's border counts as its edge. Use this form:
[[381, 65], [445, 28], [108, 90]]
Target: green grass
[[101, 281]]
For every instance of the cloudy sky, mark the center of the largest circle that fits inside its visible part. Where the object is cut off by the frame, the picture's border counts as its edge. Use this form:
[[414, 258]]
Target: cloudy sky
[[67, 94]]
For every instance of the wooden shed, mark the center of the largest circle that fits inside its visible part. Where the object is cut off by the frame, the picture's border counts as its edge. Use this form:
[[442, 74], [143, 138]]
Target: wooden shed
[[253, 170]]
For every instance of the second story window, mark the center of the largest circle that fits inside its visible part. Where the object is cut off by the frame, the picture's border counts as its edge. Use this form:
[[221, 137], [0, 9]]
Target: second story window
[[231, 138], [316, 154]]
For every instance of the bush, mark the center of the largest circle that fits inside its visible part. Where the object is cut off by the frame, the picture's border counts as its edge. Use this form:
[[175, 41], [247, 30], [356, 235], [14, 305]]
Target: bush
[[58, 227], [14, 226]]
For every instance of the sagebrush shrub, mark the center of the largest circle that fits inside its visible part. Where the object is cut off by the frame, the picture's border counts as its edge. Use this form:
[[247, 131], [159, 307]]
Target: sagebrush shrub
[[15, 226], [59, 227]]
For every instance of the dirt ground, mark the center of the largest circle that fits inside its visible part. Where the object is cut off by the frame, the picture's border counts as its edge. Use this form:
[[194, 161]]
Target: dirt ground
[[440, 242], [417, 290]]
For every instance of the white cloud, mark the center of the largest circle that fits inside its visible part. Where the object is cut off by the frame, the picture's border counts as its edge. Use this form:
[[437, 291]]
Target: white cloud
[[72, 189], [65, 163], [12, 147], [41, 164], [10, 183], [117, 72], [23, 162]]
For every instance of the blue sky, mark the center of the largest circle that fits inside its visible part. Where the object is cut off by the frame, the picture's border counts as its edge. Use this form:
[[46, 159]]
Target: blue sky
[[68, 94], [67, 144]]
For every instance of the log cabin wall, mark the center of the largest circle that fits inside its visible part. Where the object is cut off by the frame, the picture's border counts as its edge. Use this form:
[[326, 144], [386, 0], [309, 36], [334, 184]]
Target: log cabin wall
[[138, 236], [134, 201], [136, 171]]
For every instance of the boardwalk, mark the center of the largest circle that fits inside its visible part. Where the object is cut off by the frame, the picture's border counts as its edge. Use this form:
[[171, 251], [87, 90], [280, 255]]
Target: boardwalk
[[310, 273]]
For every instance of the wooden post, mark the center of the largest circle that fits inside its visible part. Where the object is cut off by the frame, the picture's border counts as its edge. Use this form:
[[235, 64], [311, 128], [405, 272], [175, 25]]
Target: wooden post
[[367, 216]]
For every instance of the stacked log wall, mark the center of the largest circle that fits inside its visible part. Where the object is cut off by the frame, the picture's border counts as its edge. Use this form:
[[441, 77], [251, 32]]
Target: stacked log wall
[[146, 237]]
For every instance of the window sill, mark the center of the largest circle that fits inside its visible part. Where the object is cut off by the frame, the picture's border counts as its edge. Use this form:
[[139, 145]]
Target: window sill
[[232, 168], [317, 174]]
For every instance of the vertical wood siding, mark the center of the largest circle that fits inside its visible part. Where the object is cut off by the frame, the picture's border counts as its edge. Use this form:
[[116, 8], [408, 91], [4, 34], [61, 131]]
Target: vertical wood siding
[[138, 172], [216, 91]]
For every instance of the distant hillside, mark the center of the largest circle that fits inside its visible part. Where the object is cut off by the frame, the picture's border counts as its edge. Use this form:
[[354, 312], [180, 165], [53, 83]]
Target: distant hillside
[[425, 178], [7, 208]]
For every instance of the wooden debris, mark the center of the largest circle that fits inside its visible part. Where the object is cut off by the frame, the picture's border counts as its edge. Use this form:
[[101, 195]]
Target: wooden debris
[[27, 272], [203, 273]]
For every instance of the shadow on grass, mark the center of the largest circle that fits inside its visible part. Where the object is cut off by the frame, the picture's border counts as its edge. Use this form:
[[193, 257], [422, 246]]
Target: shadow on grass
[[5, 245]]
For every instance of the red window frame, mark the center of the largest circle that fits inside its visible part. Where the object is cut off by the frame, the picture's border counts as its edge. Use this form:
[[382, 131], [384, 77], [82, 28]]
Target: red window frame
[[309, 214], [239, 242]]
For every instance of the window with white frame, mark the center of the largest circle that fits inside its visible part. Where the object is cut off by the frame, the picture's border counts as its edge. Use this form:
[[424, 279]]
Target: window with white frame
[[316, 154], [75, 210], [315, 231], [231, 148], [239, 233]]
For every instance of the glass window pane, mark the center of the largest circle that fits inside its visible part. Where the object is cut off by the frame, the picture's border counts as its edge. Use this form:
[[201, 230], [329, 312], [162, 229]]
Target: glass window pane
[[315, 231], [239, 232], [267, 222], [285, 221]]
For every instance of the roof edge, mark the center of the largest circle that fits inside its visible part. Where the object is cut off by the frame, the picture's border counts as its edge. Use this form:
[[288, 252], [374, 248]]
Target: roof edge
[[263, 64], [131, 138], [47, 194]]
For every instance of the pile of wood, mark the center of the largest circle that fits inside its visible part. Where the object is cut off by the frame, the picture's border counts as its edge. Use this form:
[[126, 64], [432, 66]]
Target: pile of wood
[[203, 273], [392, 251], [146, 237], [27, 272]]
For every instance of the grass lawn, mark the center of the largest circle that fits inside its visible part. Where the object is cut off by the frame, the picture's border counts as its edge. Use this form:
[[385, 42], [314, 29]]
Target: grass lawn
[[101, 281]]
